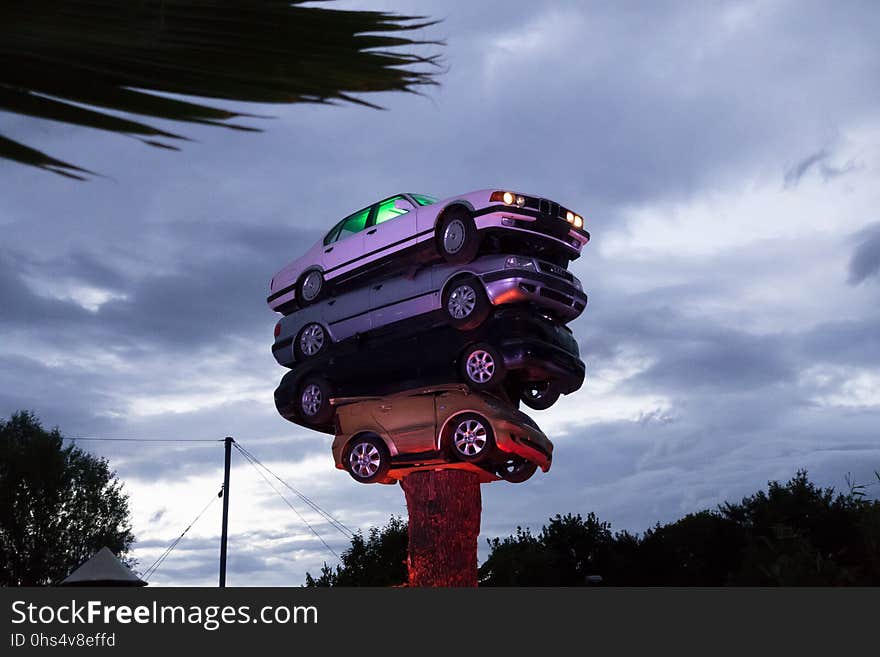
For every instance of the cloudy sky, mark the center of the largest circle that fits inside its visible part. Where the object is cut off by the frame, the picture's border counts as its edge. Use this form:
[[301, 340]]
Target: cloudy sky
[[726, 157]]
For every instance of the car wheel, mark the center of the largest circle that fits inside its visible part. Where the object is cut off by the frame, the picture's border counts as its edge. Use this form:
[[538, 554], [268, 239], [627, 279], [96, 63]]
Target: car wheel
[[516, 469], [367, 459], [539, 395], [311, 341], [465, 303], [481, 366], [310, 287], [313, 401], [457, 238], [471, 438]]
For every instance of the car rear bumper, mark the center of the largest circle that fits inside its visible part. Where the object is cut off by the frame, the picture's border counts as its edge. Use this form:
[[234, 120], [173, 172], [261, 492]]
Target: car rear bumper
[[527, 442], [521, 285], [537, 360]]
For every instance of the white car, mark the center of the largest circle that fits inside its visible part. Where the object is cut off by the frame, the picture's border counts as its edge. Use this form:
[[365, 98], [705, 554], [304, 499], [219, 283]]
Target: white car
[[416, 228]]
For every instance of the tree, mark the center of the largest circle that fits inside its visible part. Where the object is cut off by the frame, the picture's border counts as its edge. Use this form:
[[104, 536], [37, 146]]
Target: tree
[[58, 505], [378, 560], [84, 62], [799, 534]]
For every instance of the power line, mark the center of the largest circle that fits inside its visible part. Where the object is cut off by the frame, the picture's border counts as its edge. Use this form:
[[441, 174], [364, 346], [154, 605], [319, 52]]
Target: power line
[[337, 524], [286, 501], [149, 572], [148, 440]]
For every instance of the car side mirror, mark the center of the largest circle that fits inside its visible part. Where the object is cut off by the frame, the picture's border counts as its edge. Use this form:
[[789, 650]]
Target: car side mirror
[[403, 204]]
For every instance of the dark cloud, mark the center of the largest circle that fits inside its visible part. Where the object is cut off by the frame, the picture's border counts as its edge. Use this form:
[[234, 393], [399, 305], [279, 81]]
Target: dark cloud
[[865, 261], [603, 108]]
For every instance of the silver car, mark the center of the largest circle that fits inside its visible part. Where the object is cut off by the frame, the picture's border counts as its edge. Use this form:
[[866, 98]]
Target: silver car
[[464, 294]]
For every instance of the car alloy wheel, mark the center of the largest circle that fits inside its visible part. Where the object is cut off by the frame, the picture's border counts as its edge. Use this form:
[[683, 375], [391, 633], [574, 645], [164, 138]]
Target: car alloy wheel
[[312, 399], [364, 460], [454, 236], [470, 438], [462, 301], [480, 366], [312, 285], [312, 339]]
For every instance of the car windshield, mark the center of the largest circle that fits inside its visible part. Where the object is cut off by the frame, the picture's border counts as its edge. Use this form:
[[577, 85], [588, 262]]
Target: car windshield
[[352, 224], [423, 199]]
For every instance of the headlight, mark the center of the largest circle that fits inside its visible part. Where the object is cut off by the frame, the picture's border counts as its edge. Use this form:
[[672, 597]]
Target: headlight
[[508, 198], [519, 262], [569, 217], [578, 221]]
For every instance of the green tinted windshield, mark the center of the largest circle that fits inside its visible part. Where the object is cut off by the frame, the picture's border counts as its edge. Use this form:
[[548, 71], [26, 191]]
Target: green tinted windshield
[[386, 210], [422, 199], [352, 224]]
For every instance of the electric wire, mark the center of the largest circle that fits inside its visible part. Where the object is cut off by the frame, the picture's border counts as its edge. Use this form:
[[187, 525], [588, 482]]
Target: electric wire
[[149, 572], [337, 524], [288, 502], [146, 440]]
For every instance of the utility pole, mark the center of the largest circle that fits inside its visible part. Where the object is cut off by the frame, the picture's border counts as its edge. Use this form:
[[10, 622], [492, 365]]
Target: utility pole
[[228, 449]]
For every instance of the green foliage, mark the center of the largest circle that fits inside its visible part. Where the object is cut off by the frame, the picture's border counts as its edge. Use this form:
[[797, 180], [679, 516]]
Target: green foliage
[[795, 534], [378, 560], [83, 62], [58, 505]]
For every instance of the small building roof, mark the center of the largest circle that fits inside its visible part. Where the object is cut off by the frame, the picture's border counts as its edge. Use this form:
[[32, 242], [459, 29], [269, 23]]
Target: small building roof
[[103, 569]]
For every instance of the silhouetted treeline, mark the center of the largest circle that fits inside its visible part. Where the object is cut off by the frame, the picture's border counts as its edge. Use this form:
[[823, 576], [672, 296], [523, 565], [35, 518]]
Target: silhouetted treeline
[[794, 534]]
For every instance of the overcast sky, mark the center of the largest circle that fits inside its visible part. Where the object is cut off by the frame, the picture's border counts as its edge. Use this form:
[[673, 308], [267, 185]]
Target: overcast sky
[[726, 157]]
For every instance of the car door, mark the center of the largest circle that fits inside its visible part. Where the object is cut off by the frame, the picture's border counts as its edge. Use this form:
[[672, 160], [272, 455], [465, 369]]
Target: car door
[[401, 297], [409, 421], [391, 230], [344, 250]]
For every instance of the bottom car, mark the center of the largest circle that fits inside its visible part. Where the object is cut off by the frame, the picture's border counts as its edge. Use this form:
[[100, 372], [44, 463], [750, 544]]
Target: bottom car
[[382, 439]]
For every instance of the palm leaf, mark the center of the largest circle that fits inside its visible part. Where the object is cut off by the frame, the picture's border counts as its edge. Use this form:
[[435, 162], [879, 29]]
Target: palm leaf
[[85, 62]]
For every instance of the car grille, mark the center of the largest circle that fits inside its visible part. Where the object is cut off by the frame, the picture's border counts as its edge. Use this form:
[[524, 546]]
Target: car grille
[[548, 208], [556, 270]]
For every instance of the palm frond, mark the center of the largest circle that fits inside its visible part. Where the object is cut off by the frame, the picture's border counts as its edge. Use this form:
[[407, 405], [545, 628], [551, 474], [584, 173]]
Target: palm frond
[[85, 61]]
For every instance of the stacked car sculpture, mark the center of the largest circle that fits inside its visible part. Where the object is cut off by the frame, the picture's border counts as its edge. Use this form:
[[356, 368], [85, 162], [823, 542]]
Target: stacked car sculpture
[[415, 327]]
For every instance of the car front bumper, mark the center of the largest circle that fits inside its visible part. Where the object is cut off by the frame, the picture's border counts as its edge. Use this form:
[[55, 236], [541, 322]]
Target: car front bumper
[[516, 219], [521, 440], [514, 285], [537, 360]]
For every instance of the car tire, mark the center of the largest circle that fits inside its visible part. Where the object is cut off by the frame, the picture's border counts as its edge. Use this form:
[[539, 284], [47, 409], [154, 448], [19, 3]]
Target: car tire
[[470, 438], [313, 401], [481, 366], [539, 396], [310, 287], [366, 459], [465, 303], [456, 236], [516, 469], [311, 341]]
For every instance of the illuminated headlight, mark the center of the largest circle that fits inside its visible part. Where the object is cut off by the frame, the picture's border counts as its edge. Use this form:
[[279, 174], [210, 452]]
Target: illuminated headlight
[[578, 221], [569, 217], [519, 262], [508, 198]]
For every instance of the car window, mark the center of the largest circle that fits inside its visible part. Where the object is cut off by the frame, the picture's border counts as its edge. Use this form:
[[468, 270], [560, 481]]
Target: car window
[[386, 210], [423, 199], [352, 224], [333, 234]]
